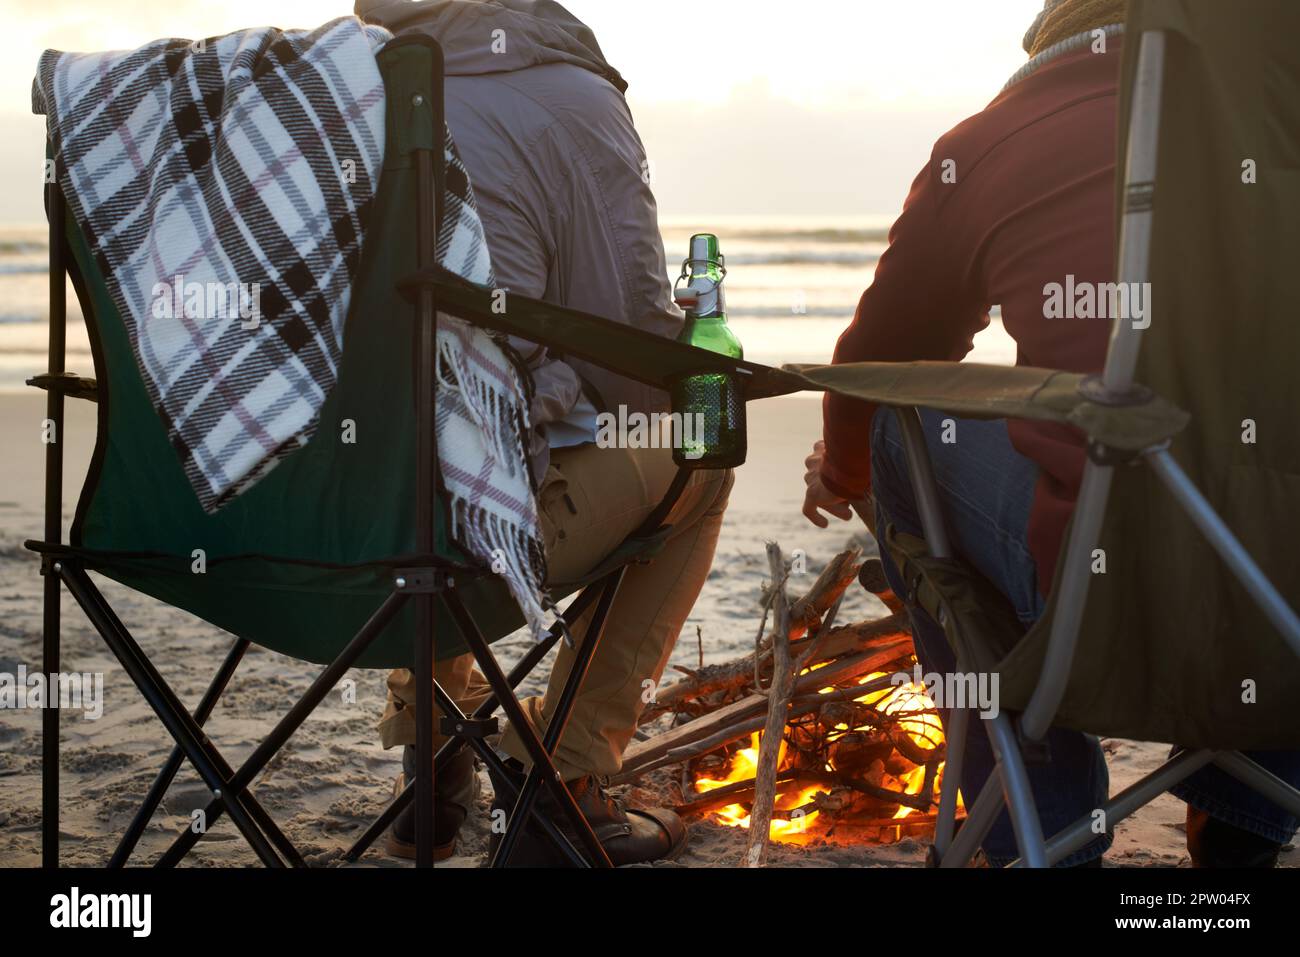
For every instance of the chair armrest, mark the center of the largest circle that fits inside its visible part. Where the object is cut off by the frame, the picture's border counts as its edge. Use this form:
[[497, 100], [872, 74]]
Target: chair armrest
[[978, 390]]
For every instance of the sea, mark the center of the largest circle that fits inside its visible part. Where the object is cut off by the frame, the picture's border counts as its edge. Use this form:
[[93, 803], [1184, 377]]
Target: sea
[[792, 286]]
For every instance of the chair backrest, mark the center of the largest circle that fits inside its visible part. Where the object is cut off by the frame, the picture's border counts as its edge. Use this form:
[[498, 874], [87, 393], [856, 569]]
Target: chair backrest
[[1169, 638], [301, 560]]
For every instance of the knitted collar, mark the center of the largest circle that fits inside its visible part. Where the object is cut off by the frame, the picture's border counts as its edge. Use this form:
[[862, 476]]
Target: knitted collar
[[1057, 50]]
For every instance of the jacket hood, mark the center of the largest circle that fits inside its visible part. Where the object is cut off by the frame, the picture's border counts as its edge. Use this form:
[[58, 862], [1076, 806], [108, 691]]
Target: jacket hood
[[533, 32]]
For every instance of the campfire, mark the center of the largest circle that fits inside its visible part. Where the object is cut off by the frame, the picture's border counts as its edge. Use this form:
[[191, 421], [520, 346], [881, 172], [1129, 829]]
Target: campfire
[[856, 770], [857, 750]]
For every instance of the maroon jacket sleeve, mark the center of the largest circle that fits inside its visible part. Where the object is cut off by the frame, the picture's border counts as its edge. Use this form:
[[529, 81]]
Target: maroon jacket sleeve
[[922, 304]]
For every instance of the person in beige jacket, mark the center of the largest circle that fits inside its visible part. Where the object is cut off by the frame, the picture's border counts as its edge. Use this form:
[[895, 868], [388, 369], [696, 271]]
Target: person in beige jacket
[[559, 173]]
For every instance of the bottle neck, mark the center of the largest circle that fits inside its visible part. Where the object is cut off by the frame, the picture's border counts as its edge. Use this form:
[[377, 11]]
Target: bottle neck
[[706, 277]]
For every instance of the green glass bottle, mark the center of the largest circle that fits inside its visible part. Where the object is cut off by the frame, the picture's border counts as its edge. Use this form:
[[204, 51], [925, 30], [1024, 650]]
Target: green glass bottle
[[711, 407]]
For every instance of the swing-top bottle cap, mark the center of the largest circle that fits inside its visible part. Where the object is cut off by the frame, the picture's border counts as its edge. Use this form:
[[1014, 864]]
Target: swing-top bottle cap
[[699, 287], [705, 252]]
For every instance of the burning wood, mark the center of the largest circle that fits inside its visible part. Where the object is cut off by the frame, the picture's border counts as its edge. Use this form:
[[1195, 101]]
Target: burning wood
[[714, 682], [816, 736]]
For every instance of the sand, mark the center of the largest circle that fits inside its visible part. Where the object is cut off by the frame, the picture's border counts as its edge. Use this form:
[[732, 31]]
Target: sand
[[333, 777]]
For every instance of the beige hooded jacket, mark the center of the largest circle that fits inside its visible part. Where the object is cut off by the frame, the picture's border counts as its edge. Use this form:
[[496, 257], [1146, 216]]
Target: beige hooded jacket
[[558, 171]]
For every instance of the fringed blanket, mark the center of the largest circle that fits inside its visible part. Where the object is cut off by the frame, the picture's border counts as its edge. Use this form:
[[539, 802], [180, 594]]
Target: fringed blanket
[[224, 187]]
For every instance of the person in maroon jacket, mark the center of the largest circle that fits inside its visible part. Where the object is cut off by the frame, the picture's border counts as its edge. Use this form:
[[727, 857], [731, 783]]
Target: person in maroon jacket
[[1014, 200]]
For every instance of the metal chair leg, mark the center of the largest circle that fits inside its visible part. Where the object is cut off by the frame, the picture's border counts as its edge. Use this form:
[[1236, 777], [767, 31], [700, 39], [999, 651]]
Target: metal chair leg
[[290, 723], [523, 808], [515, 713], [450, 709], [1007, 786], [168, 772], [50, 728], [50, 641], [980, 818], [1261, 779], [123, 643], [164, 703], [498, 767], [953, 766], [1069, 839], [1019, 795], [424, 772], [522, 669]]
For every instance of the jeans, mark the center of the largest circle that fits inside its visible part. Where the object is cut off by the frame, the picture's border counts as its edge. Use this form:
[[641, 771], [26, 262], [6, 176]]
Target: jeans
[[987, 489]]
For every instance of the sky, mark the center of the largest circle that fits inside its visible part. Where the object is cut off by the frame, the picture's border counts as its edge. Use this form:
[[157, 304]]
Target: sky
[[820, 108]]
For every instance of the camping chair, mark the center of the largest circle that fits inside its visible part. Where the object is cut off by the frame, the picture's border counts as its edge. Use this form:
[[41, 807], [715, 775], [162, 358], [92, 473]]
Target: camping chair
[[1158, 647], [341, 556]]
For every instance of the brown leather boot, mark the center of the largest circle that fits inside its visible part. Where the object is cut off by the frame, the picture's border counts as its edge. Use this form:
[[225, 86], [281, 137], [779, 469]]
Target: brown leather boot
[[455, 791], [629, 836], [1212, 843]]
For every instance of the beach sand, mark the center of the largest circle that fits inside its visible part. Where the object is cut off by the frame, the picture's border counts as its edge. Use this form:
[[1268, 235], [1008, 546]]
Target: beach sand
[[332, 777]]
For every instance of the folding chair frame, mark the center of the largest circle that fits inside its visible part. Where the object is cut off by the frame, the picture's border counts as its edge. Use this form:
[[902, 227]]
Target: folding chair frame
[[1009, 786], [231, 788]]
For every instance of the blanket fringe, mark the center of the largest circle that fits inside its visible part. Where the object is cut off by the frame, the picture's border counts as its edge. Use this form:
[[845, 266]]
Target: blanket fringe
[[514, 550]]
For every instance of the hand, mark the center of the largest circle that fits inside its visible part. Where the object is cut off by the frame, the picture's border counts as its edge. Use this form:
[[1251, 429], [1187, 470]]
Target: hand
[[818, 497]]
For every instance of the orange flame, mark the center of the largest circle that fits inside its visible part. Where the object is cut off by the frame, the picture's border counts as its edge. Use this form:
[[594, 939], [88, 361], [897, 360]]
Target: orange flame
[[919, 721], [792, 829]]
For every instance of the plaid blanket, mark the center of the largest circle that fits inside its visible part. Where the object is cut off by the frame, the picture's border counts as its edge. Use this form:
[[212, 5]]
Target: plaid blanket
[[211, 180], [224, 187]]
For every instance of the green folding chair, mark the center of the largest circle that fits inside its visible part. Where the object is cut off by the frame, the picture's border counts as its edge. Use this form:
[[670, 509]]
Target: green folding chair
[[335, 560], [341, 556], [1159, 646]]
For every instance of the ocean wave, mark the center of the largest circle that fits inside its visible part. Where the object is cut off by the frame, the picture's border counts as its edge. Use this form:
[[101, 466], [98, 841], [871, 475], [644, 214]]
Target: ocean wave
[[813, 234], [9, 353], [810, 257], [786, 312], [22, 269], [10, 247]]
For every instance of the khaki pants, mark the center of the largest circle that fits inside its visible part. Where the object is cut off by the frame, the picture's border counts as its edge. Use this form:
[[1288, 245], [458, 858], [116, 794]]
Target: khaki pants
[[590, 501]]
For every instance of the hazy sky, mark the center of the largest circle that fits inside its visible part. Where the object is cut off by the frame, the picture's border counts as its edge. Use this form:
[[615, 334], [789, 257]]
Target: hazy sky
[[819, 107]]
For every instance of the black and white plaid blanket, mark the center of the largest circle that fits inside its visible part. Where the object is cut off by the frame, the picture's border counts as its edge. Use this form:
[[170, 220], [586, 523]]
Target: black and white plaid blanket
[[223, 186]]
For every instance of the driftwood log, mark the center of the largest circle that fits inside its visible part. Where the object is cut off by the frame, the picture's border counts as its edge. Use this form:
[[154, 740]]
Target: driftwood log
[[738, 674], [799, 688], [745, 716], [872, 577], [784, 672], [734, 793], [806, 614], [742, 793]]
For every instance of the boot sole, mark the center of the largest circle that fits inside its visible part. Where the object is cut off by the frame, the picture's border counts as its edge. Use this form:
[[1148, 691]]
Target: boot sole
[[674, 852], [537, 852], [405, 850]]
